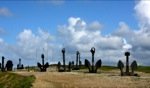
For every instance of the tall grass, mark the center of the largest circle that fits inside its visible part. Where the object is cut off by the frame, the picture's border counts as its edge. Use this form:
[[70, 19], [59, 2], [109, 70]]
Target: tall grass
[[11, 80]]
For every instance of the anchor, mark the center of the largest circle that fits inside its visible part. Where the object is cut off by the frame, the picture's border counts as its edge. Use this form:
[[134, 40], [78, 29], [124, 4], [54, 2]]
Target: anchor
[[2, 68], [133, 66], [20, 66], [59, 66], [43, 67], [77, 67], [80, 63], [9, 65], [97, 65]]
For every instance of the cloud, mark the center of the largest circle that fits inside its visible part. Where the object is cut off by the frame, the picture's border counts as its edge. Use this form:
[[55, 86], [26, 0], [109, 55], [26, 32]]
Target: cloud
[[126, 46], [138, 39], [29, 46], [95, 26], [73, 36], [80, 35], [123, 30], [5, 12], [142, 12], [141, 36]]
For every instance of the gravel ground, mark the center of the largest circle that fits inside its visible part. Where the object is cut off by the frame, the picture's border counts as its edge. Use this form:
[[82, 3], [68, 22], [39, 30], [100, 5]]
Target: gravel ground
[[87, 80]]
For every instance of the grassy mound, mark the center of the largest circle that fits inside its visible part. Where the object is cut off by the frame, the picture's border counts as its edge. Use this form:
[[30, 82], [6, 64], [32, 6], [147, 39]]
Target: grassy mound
[[11, 80]]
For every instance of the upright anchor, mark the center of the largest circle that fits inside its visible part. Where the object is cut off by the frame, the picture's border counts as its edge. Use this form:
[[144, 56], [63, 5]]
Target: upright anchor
[[64, 65], [3, 68], [20, 66], [43, 67], [78, 62], [133, 66], [97, 65]]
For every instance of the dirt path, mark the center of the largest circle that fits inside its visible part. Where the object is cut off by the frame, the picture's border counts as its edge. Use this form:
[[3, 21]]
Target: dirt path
[[86, 80]]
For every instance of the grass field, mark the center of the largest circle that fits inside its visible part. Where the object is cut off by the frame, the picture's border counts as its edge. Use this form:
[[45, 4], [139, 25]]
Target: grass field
[[105, 69], [11, 80], [145, 69]]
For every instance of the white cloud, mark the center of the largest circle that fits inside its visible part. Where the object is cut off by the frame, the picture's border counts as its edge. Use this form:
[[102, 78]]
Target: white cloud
[[141, 36], [126, 47], [5, 12], [95, 26], [142, 10], [138, 40], [81, 36], [123, 30]]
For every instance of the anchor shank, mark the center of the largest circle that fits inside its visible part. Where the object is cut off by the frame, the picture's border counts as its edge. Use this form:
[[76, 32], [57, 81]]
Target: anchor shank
[[92, 61], [43, 62], [64, 60], [127, 64], [77, 59]]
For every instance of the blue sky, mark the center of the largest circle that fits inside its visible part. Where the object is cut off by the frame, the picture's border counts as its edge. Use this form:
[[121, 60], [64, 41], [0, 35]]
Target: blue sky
[[47, 15], [113, 27]]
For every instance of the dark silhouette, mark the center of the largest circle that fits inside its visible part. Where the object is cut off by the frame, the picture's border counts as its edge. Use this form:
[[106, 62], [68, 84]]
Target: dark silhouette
[[58, 66], [43, 67], [9, 65], [60, 69], [63, 52], [77, 67], [0, 65], [120, 66], [69, 67], [20, 66], [2, 68], [127, 54], [133, 66], [77, 54], [72, 64], [97, 65], [80, 63]]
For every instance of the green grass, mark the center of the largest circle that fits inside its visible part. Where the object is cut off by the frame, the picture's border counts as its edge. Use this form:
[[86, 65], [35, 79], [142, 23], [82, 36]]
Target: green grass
[[11, 80], [145, 69], [101, 69], [108, 68]]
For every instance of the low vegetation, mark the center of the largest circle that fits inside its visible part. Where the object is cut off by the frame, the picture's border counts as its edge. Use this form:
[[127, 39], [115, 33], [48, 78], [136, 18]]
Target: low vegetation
[[12, 80], [145, 69], [108, 68]]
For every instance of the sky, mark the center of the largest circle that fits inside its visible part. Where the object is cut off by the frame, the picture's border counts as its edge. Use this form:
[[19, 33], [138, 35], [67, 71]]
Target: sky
[[30, 28]]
